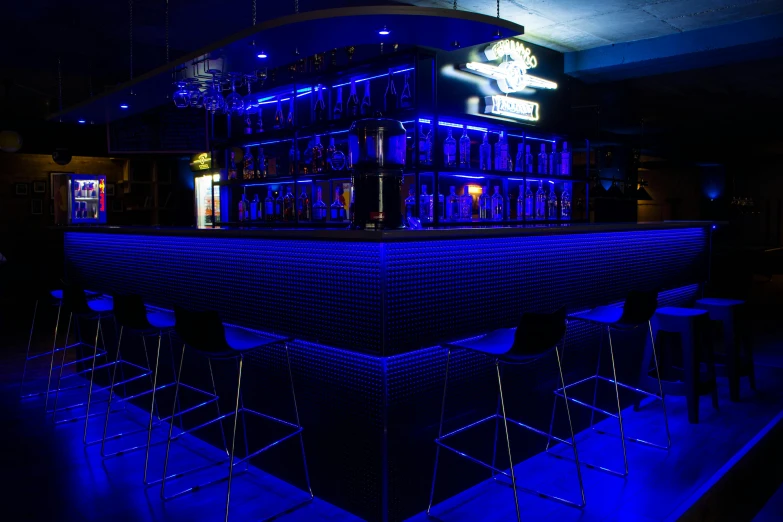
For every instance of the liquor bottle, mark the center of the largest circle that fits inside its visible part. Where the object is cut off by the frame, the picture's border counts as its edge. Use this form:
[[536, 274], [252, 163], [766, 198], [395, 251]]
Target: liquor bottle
[[260, 121], [280, 205], [318, 156], [485, 154], [329, 155], [337, 112], [528, 160], [232, 167], [450, 151], [565, 204], [452, 205], [424, 142], [319, 207], [521, 202], [269, 205], [542, 159], [290, 120], [244, 208], [501, 153], [554, 160], [540, 201], [497, 205], [425, 206], [520, 166], [254, 208], [466, 205], [551, 206], [320, 106], [261, 165], [406, 100], [565, 160], [410, 203], [293, 158], [390, 100], [441, 207], [337, 210], [353, 102], [366, 102], [279, 115], [303, 209], [529, 202], [249, 170], [289, 206], [464, 150], [485, 204]]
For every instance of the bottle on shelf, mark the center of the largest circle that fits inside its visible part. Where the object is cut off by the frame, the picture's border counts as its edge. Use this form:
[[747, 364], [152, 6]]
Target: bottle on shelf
[[565, 160], [232, 167], [551, 204], [320, 105], [290, 120], [464, 150], [303, 209], [410, 203], [441, 207], [293, 158], [497, 205], [319, 207], [501, 153], [540, 201], [425, 206], [521, 203], [485, 154], [261, 164], [269, 205], [244, 208], [390, 99], [366, 107], [529, 202], [565, 204], [337, 112], [260, 121], [248, 168], [406, 100], [466, 205], [289, 206], [280, 205], [453, 205], [528, 160], [353, 102], [520, 166], [424, 144], [554, 160], [317, 160], [542, 160], [337, 210], [450, 151], [329, 154], [279, 122], [485, 204], [255, 206]]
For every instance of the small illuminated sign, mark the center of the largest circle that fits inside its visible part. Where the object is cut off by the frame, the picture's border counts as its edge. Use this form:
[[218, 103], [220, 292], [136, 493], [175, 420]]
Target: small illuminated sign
[[511, 107], [102, 194], [201, 161]]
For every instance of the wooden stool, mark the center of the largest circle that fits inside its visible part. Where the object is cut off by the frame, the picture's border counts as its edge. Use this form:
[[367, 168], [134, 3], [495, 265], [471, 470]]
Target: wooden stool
[[692, 328], [736, 330]]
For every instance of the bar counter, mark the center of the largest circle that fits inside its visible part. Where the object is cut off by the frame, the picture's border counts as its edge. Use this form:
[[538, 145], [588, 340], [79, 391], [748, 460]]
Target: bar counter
[[370, 311]]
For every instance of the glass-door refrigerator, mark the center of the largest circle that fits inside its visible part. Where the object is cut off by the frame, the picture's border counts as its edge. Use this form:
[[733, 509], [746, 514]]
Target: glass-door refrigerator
[[207, 201], [79, 199]]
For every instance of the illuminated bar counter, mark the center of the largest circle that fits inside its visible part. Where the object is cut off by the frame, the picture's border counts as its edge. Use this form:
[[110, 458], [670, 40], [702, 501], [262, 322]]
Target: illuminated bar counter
[[369, 311]]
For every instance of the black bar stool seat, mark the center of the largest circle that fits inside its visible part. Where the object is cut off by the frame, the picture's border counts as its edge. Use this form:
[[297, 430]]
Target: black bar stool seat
[[536, 336]]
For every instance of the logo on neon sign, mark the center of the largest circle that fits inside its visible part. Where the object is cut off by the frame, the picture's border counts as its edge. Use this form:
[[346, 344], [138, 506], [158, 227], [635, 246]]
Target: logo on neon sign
[[511, 75], [511, 107]]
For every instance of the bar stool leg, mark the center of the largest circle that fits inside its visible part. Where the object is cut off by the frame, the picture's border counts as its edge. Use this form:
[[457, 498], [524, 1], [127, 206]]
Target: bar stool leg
[[660, 387], [152, 407], [177, 379], [495, 440], [27, 355], [298, 422], [508, 443], [149, 367], [111, 395], [51, 364], [234, 436], [570, 425], [217, 406], [174, 365], [617, 394], [597, 372], [440, 430], [92, 376]]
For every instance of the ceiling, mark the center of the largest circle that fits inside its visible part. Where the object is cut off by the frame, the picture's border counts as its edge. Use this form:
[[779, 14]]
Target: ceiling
[[576, 25]]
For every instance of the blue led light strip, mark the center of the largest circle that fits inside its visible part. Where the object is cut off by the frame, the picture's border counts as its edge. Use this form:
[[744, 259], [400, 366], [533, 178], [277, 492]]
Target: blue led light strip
[[372, 77], [443, 123]]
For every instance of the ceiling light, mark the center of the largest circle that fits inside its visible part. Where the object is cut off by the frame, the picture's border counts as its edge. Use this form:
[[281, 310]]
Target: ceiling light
[[262, 54], [123, 106], [384, 31], [82, 121]]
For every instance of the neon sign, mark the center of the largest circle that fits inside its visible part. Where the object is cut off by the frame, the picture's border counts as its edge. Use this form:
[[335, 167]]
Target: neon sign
[[102, 194], [511, 107], [202, 161]]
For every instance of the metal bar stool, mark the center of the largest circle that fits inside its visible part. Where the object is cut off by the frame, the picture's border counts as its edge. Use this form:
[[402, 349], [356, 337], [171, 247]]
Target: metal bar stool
[[637, 310], [210, 338], [537, 336]]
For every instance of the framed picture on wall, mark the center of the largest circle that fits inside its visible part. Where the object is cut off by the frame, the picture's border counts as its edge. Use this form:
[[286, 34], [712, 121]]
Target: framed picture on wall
[[39, 187], [36, 206], [21, 189]]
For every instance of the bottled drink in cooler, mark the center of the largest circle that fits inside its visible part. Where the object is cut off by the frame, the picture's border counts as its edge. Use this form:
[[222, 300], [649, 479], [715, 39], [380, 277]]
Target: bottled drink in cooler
[[366, 101], [390, 99], [450, 151], [485, 154], [485, 205], [565, 204], [410, 203], [464, 150], [542, 159], [353, 102], [540, 201], [565, 160], [337, 210], [406, 100], [289, 206], [425, 206], [497, 205], [501, 153], [452, 205], [529, 202], [280, 205], [552, 203], [303, 210], [337, 112], [319, 207], [269, 205], [320, 105], [466, 205]]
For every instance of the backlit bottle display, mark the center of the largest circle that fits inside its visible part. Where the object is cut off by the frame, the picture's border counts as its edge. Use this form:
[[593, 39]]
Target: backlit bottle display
[[540, 201], [450, 151], [452, 205], [485, 154], [464, 150], [319, 207], [466, 205], [497, 205], [485, 204], [425, 206]]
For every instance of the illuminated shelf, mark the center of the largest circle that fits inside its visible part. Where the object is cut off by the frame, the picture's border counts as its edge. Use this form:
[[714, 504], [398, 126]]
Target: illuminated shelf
[[277, 180], [473, 174], [86, 198]]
